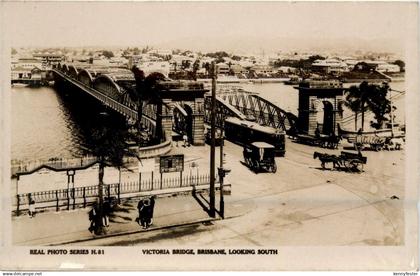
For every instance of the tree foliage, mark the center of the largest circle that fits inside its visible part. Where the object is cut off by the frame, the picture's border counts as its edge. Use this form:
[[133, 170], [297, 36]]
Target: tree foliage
[[108, 54], [371, 97], [401, 64]]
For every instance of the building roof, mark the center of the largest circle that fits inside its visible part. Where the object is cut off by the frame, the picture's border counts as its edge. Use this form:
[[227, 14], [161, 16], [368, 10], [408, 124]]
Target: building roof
[[20, 68], [263, 145]]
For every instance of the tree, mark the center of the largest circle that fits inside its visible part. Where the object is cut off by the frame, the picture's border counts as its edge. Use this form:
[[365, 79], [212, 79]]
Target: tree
[[353, 102], [358, 98], [14, 52], [106, 139], [380, 105], [401, 64], [369, 97], [108, 54], [146, 90]]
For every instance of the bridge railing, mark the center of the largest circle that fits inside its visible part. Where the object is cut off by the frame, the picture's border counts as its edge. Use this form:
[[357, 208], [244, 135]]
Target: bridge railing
[[81, 196], [20, 166]]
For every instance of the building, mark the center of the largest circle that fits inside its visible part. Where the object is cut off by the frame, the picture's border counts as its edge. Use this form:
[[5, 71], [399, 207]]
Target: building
[[262, 69], [27, 63], [329, 66], [222, 68], [148, 67], [383, 66], [49, 60], [21, 73], [238, 69], [386, 67]]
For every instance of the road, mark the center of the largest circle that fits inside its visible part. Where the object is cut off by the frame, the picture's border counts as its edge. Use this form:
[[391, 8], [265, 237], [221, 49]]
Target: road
[[300, 204]]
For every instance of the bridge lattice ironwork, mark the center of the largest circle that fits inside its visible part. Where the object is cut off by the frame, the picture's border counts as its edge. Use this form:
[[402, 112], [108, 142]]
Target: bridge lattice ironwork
[[242, 104]]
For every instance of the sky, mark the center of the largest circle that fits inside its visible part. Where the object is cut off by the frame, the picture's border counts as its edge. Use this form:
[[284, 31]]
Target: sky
[[208, 25]]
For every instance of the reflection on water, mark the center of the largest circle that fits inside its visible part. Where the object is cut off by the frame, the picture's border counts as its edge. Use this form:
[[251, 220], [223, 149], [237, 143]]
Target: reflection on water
[[41, 125], [46, 125]]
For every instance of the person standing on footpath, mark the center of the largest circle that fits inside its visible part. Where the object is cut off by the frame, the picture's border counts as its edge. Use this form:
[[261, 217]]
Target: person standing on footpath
[[93, 214], [152, 208], [145, 213], [140, 206], [31, 208], [106, 212]]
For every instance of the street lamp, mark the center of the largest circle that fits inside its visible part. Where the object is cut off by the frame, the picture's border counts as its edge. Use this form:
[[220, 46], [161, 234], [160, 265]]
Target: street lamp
[[212, 211]]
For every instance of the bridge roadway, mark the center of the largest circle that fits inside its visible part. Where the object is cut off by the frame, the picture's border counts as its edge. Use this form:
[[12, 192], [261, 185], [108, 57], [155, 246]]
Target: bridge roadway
[[106, 100]]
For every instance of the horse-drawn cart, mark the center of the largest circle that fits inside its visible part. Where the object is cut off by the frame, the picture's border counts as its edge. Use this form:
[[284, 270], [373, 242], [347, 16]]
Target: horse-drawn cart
[[260, 156], [324, 141], [345, 161]]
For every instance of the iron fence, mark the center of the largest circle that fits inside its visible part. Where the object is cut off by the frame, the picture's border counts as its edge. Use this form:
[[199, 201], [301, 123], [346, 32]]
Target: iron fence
[[80, 196]]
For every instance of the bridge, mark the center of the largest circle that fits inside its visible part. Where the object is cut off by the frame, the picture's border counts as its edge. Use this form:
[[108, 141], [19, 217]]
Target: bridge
[[234, 102], [111, 86], [185, 106]]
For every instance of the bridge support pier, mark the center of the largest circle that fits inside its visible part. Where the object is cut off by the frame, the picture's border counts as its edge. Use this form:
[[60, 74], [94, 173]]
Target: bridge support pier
[[164, 119], [198, 122]]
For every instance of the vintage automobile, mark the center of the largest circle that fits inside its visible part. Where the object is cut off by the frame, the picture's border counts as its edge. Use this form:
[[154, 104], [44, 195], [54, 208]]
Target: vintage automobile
[[259, 156]]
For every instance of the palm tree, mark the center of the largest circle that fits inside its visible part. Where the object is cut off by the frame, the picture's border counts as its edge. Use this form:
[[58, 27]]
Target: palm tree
[[358, 99], [147, 91], [380, 105], [353, 102]]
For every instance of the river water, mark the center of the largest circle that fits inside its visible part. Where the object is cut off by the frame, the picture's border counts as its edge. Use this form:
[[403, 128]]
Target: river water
[[43, 126]]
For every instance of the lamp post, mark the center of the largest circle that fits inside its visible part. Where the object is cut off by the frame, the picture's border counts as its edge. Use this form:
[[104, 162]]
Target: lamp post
[[212, 211], [221, 177]]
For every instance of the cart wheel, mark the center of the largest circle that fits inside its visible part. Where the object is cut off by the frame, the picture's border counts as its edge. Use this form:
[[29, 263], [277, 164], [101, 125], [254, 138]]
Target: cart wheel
[[346, 164], [358, 166], [274, 168], [257, 166]]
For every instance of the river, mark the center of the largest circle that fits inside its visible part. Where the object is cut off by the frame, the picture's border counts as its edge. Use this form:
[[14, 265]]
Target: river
[[43, 126]]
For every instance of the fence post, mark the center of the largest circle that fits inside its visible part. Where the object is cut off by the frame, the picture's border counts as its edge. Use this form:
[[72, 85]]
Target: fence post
[[161, 180], [56, 199], [139, 181], [119, 200], [68, 200], [74, 198], [84, 197], [18, 207], [152, 180], [180, 179]]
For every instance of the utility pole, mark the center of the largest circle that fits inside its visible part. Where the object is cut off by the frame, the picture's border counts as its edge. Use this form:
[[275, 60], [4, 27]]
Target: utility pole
[[392, 113], [212, 212], [221, 176]]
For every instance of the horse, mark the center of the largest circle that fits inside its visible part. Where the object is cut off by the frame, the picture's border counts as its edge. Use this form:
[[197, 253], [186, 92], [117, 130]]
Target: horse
[[326, 158], [394, 144]]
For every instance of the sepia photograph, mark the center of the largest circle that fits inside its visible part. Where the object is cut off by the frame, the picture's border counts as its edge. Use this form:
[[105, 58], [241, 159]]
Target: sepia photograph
[[209, 135]]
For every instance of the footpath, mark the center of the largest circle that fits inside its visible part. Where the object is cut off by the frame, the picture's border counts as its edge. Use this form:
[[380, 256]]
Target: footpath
[[66, 227], [171, 210]]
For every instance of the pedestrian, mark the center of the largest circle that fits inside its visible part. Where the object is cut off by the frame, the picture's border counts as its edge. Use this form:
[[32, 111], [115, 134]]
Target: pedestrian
[[31, 208], [106, 212], [145, 213], [185, 138], [152, 208], [139, 208], [93, 213]]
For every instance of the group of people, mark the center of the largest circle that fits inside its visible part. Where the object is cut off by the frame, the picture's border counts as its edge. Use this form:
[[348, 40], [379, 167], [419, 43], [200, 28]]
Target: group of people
[[145, 208], [95, 218]]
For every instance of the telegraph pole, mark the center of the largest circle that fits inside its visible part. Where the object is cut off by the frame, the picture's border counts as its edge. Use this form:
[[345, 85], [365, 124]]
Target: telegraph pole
[[221, 176], [212, 212]]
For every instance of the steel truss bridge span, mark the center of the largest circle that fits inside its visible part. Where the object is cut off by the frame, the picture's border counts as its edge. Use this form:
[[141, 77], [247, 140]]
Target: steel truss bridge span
[[249, 106], [123, 108]]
